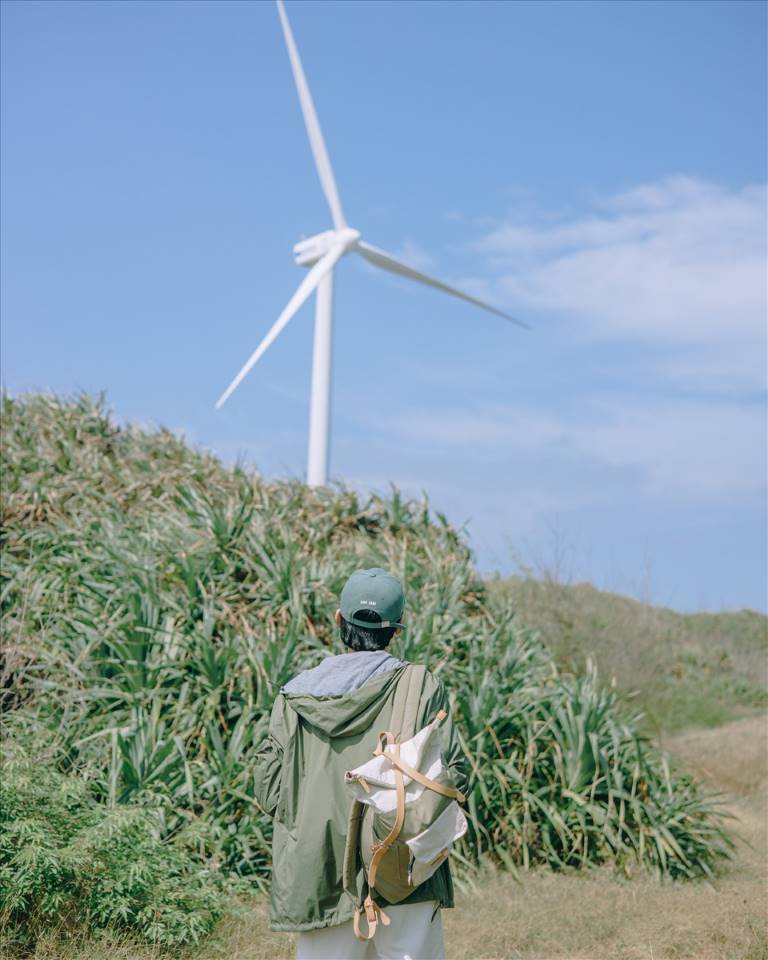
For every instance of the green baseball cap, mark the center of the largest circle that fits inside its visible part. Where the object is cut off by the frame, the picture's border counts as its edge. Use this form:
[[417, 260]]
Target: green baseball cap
[[376, 590]]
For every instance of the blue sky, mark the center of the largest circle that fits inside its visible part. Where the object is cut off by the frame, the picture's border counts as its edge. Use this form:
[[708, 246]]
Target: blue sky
[[599, 169]]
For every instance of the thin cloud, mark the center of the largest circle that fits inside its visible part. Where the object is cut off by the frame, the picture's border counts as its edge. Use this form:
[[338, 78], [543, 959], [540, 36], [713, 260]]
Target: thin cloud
[[414, 255], [705, 450], [680, 263]]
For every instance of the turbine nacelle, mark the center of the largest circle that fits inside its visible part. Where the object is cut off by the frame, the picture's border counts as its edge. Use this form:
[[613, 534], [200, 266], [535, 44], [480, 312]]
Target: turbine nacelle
[[320, 254], [307, 252]]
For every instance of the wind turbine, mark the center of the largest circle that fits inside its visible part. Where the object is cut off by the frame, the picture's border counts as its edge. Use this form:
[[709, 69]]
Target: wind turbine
[[321, 253]]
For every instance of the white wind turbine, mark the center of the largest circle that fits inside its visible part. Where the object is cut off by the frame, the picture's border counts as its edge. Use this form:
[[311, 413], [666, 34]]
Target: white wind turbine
[[321, 253]]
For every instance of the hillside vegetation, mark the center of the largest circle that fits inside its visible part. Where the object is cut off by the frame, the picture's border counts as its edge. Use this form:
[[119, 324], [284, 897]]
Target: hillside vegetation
[[683, 669], [154, 602], [546, 915]]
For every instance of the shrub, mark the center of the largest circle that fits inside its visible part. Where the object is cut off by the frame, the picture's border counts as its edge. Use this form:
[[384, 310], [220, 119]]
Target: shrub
[[68, 861], [155, 601]]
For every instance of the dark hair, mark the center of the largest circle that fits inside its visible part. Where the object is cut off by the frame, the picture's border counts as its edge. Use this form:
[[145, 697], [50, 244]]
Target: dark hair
[[358, 638]]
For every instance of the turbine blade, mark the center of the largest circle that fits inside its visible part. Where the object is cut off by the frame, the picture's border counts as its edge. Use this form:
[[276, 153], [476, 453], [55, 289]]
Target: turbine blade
[[316, 142], [307, 285], [387, 262]]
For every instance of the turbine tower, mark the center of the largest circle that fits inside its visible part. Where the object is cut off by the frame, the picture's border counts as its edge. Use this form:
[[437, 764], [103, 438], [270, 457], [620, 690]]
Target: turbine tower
[[321, 253]]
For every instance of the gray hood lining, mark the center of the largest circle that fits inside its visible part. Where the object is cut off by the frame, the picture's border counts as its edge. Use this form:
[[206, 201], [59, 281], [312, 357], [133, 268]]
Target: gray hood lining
[[342, 673]]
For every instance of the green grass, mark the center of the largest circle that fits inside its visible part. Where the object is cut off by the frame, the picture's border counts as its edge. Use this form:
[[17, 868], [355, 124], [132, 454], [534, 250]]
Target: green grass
[[154, 601], [545, 915]]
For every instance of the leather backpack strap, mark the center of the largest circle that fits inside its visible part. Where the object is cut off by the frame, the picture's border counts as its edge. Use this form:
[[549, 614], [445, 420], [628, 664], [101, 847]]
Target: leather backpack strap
[[397, 761], [397, 826], [373, 911], [402, 726], [374, 914], [414, 774]]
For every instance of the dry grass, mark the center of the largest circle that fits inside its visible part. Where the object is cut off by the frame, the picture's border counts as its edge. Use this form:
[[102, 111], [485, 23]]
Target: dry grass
[[733, 758], [595, 915], [684, 670], [598, 916]]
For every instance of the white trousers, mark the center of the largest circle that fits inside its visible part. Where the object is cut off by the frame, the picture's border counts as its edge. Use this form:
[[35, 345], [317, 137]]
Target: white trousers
[[412, 935]]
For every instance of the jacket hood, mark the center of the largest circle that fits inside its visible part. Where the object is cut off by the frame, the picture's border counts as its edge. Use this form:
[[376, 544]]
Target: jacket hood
[[345, 714], [342, 673]]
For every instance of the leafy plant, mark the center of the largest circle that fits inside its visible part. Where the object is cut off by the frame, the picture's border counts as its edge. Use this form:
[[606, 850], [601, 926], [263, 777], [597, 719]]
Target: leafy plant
[[154, 602], [68, 861]]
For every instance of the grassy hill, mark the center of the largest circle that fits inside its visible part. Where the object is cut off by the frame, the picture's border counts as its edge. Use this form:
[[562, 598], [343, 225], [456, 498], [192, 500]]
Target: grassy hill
[[682, 669], [154, 601], [554, 916]]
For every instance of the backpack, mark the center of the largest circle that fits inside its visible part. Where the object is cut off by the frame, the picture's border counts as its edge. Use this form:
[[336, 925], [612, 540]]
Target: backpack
[[406, 813]]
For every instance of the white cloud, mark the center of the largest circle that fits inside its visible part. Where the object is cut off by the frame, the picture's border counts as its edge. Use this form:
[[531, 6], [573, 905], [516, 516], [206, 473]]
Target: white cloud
[[414, 255], [679, 263], [691, 449], [495, 428]]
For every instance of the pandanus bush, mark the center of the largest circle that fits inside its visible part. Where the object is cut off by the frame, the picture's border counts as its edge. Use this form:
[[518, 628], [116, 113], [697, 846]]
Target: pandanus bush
[[154, 601]]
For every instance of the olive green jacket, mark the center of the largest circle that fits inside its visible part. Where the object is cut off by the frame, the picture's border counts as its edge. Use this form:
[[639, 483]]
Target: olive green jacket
[[312, 741]]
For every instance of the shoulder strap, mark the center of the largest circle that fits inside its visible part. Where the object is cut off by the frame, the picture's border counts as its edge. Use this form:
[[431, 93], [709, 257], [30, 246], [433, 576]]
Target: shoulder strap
[[405, 706], [405, 714], [351, 850]]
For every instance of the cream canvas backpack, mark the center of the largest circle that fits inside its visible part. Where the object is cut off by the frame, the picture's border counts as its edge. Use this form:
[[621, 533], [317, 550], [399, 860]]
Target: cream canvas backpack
[[405, 815]]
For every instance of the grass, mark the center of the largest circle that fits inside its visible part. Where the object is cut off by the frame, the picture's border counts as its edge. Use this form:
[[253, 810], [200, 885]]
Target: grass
[[592, 915], [684, 669], [153, 602]]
